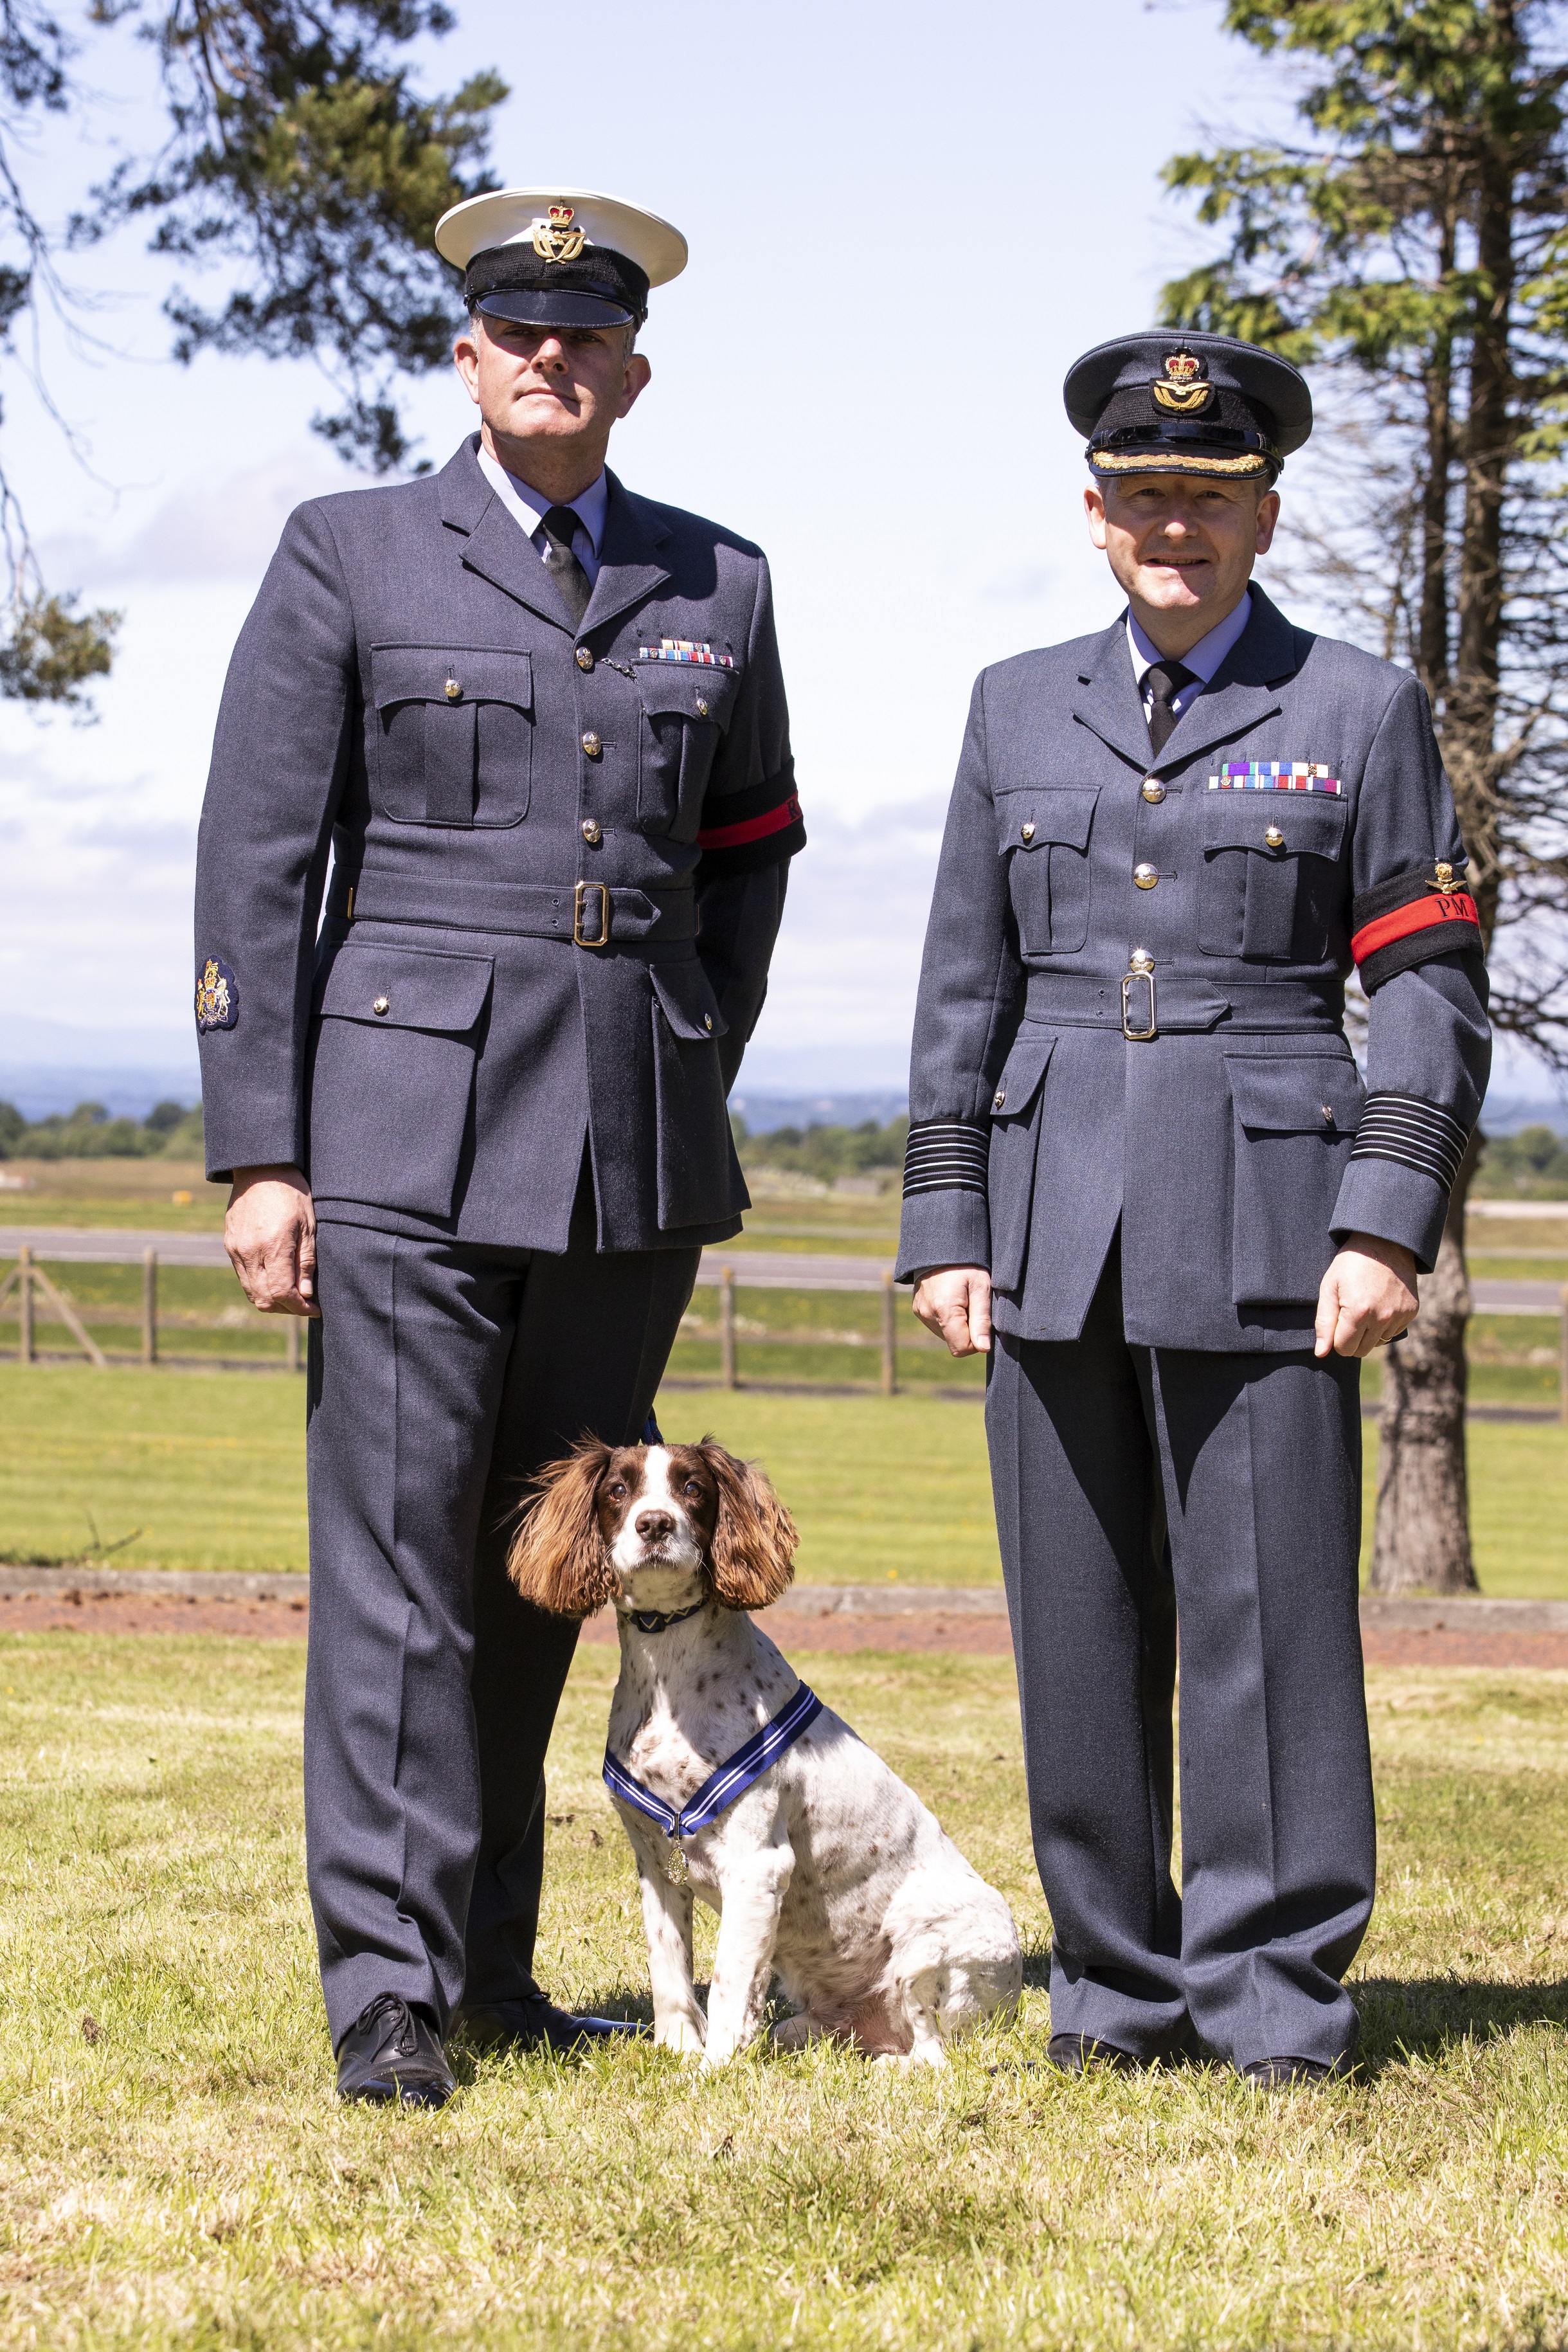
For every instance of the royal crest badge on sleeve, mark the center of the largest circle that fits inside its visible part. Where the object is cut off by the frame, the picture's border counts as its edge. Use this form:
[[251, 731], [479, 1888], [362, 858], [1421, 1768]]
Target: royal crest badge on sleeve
[[217, 996]]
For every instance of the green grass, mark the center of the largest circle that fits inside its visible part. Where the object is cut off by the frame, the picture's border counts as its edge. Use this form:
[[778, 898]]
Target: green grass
[[211, 1468], [185, 2179]]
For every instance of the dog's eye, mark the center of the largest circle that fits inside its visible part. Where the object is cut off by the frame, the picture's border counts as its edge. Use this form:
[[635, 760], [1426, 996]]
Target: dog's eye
[[616, 1488], [695, 1486]]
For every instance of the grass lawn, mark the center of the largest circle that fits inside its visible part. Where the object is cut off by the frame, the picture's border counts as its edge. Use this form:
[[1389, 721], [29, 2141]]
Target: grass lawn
[[211, 1469], [179, 2174]]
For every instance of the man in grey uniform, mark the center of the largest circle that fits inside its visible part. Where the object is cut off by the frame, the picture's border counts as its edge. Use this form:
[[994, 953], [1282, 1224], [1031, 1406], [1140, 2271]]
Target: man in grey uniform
[[476, 1123], [1142, 1156]]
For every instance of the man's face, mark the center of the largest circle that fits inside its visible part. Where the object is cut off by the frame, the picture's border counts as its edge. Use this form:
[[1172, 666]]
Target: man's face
[[557, 388], [1183, 548]]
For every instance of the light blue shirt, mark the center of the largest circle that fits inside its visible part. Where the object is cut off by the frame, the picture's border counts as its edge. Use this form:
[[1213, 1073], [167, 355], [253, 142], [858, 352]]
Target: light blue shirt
[[1203, 661], [528, 507]]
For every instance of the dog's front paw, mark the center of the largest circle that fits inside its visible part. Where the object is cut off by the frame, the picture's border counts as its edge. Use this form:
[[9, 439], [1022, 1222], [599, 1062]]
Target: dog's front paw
[[682, 2034]]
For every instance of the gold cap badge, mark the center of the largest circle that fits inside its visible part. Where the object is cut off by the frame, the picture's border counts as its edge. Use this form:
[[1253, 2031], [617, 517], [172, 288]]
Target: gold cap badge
[[555, 240], [1184, 390]]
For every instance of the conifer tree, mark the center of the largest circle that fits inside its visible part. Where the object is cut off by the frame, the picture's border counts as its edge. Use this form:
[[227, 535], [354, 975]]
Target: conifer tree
[[1412, 250]]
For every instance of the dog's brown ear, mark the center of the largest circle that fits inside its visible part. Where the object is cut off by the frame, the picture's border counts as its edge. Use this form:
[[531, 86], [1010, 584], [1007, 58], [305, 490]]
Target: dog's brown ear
[[754, 1538], [557, 1557]]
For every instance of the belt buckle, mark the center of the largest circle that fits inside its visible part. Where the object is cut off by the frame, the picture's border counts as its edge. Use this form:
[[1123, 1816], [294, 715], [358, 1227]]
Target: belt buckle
[[1139, 1036], [578, 902]]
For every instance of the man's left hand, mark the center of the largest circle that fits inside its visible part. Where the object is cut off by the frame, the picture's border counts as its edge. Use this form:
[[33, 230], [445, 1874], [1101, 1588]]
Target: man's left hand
[[1367, 1297]]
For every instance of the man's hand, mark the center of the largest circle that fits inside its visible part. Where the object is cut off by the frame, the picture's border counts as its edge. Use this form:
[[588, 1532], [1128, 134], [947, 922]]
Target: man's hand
[[1367, 1295], [269, 1233], [955, 1303]]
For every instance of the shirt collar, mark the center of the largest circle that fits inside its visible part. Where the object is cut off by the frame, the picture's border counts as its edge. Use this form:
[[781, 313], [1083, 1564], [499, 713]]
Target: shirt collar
[[1205, 656], [530, 506]]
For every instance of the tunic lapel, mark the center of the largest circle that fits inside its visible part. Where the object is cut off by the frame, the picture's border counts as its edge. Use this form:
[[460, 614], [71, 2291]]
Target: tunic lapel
[[629, 566], [1242, 692], [1108, 702]]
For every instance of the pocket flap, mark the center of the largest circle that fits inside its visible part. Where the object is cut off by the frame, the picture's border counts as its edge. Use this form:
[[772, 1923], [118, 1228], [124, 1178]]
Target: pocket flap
[[480, 672], [404, 987], [1022, 1072], [688, 691], [1313, 824], [1294, 1094], [686, 999], [1029, 818]]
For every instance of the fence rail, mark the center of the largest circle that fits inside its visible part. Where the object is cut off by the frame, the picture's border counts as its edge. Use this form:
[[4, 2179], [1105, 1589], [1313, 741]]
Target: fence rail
[[32, 1288]]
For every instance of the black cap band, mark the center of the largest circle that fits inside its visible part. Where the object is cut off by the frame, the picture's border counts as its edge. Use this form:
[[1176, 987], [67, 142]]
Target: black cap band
[[598, 288]]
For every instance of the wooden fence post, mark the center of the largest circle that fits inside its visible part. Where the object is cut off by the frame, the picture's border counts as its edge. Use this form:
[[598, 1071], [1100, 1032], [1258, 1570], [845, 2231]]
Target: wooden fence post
[[1563, 1375], [889, 1340], [294, 1343], [24, 1304], [726, 1326], [150, 1306]]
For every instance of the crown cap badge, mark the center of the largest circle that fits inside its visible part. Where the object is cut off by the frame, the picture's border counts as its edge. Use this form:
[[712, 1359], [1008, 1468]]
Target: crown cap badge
[[1184, 390], [554, 238]]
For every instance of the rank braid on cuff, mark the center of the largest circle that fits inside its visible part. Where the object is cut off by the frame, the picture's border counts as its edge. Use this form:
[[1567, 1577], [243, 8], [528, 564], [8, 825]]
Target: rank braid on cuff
[[1410, 919], [746, 831], [1417, 1135], [946, 1155]]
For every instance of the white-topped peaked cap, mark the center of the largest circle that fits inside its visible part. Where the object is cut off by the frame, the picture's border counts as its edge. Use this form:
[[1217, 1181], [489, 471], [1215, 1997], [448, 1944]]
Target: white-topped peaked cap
[[566, 256]]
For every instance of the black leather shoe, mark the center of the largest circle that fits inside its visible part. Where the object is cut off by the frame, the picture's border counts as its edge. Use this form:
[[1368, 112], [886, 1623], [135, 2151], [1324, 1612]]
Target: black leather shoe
[[1287, 2073], [392, 2056], [1074, 2054], [532, 2022]]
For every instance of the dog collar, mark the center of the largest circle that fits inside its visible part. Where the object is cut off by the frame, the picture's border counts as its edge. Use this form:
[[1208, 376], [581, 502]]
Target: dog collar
[[654, 1621], [731, 1781]]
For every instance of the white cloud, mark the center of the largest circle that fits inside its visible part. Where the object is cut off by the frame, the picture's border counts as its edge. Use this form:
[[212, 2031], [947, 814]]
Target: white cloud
[[221, 529]]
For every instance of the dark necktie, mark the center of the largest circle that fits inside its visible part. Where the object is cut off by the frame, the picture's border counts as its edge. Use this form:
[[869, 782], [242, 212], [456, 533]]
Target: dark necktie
[[559, 525], [1165, 680]]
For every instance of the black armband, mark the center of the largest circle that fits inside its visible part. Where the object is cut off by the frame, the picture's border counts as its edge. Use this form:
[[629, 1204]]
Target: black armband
[[1410, 919], [746, 831]]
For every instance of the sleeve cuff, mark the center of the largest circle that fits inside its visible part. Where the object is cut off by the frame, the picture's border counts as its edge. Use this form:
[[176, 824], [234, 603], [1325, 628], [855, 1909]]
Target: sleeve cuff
[[943, 1228], [1396, 1203]]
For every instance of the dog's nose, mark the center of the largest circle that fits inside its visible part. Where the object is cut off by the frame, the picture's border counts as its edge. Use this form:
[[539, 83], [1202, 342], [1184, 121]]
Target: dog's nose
[[654, 1526]]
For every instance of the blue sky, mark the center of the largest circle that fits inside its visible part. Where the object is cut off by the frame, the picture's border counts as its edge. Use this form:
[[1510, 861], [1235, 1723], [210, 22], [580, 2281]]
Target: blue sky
[[903, 224]]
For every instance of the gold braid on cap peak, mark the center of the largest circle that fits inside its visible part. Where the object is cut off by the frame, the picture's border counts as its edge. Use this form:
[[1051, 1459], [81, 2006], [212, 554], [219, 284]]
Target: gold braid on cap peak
[[1150, 461]]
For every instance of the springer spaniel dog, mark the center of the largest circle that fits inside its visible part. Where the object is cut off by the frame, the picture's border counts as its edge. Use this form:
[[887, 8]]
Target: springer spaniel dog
[[735, 1785]]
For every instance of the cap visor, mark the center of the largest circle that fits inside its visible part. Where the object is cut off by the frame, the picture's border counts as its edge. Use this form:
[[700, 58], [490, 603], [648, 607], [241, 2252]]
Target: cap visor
[[544, 306]]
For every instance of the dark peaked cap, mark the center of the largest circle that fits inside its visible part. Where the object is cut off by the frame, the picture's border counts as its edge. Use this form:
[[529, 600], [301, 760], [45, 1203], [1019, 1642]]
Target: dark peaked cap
[[1166, 402]]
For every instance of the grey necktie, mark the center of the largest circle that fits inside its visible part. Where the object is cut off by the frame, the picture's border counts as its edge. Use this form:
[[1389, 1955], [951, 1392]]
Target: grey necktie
[[1165, 681], [559, 524]]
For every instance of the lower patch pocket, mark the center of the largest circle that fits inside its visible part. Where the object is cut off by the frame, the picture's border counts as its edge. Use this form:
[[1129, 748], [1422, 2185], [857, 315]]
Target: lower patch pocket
[[1295, 1121], [694, 1150], [1015, 1137], [391, 1081]]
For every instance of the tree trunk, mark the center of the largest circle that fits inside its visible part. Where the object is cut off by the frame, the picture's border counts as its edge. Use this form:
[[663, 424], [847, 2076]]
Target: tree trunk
[[1422, 1542]]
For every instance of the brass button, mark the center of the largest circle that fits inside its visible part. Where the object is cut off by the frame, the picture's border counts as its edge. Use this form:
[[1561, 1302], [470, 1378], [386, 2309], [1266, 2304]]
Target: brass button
[[707, 1020], [998, 1098], [452, 691], [1140, 961], [1146, 877], [1274, 837], [592, 831], [1025, 832], [1328, 1114], [1153, 790], [592, 744], [702, 707], [584, 658], [382, 1004]]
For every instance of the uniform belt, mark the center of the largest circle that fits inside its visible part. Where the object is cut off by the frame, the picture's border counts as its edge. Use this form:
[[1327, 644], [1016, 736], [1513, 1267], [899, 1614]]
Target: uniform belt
[[1183, 1002], [590, 914]]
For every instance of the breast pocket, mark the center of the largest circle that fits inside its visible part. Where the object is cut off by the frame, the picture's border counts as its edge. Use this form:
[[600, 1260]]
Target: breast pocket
[[395, 1048], [687, 708], [1270, 881], [1296, 1118], [451, 730], [1043, 831]]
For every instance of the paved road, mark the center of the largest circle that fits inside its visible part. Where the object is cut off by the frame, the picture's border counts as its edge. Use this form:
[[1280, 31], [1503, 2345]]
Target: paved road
[[753, 1269]]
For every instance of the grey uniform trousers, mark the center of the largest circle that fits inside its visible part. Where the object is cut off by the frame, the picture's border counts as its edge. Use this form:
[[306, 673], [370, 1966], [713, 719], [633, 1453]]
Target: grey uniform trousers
[[1134, 1486], [441, 1375]]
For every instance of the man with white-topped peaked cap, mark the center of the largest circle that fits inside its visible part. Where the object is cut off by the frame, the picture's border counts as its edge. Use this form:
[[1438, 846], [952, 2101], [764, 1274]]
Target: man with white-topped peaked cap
[[1144, 1172], [524, 734]]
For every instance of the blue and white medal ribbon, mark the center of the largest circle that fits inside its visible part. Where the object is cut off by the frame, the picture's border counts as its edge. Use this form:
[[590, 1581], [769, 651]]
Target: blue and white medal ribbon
[[731, 1781]]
